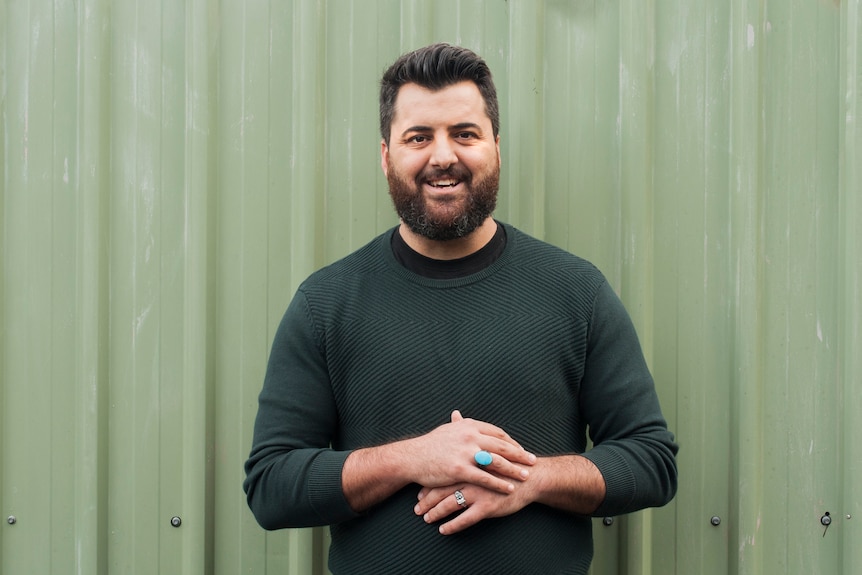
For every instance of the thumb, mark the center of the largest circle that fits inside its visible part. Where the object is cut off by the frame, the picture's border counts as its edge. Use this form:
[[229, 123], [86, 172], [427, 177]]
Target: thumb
[[456, 416]]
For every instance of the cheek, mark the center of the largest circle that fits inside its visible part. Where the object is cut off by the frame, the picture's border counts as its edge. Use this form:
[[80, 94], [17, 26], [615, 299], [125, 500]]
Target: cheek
[[408, 167], [484, 156]]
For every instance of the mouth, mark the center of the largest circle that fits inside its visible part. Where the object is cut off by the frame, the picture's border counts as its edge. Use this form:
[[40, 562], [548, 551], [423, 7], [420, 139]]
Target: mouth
[[444, 183]]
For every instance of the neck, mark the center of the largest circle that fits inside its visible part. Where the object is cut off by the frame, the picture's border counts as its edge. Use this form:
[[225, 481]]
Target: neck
[[450, 249]]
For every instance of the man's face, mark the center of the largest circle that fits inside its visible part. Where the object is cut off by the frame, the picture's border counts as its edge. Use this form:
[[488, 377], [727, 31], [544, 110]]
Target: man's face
[[442, 161]]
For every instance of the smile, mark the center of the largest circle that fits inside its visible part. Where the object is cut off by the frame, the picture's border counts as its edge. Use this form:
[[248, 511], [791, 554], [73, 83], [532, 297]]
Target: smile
[[444, 183]]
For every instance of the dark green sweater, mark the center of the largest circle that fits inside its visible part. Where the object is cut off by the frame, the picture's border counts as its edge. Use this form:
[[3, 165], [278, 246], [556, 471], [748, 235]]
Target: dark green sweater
[[368, 352]]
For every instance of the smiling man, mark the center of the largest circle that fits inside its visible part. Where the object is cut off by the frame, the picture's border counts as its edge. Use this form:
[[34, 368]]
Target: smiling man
[[430, 396]]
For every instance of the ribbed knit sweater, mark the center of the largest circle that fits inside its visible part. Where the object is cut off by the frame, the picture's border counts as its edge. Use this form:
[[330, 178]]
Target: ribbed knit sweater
[[368, 352]]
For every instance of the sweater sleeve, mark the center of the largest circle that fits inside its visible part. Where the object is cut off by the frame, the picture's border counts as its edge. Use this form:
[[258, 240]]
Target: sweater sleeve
[[632, 446], [293, 478]]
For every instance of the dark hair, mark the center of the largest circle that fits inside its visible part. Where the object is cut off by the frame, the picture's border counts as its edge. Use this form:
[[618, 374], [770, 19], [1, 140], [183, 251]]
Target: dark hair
[[436, 67]]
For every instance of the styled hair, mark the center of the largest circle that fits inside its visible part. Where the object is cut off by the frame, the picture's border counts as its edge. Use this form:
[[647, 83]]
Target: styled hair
[[436, 67]]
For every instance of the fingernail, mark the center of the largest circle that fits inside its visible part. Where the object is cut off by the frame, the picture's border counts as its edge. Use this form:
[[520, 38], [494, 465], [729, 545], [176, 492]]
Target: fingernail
[[417, 510], [524, 473], [532, 458]]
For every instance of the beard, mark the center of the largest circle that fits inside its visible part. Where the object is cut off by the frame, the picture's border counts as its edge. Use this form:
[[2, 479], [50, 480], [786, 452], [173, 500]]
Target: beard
[[458, 217]]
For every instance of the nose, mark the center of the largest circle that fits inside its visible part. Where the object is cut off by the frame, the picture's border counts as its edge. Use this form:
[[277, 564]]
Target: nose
[[443, 153]]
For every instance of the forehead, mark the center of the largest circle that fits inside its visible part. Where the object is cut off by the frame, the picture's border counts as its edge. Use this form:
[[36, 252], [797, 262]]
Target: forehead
[[455, 104]]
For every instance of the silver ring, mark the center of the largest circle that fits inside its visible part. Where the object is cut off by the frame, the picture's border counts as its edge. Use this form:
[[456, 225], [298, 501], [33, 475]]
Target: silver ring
[[460, 499]]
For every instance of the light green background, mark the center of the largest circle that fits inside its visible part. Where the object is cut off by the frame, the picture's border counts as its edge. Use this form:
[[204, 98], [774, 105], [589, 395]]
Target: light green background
[[171, 170]]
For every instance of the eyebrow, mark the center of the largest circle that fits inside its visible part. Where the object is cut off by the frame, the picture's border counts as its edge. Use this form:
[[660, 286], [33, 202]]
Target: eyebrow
[[456, 127]]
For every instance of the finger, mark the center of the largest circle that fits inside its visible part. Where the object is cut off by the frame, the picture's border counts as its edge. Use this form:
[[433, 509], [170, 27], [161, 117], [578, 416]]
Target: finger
[[507, 462], [505, 468], [430, 498], [442, 508], [470, 517], [508, 452], [504, 445], [445, 507], [482, 478], [499, 440], [492, 430]]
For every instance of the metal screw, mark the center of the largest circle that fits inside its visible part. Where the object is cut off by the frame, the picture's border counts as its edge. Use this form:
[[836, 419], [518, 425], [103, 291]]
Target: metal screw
[[715, 520], [608, 521], [176, 521], [826, 520], [11, 520]]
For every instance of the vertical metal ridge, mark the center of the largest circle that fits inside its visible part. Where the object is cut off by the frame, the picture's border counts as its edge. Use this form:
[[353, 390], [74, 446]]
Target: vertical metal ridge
[[850, 265], [746, 221], [523, 108], [91, 173], [198, 187], [5, 380], [636, 237]]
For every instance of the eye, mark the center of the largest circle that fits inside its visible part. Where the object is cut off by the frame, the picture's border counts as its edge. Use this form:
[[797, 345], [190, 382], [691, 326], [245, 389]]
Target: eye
[[465, 135], [418, 139]]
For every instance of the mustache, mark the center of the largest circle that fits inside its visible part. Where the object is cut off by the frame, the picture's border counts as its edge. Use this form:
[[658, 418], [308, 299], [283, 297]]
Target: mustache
[[455, 172]]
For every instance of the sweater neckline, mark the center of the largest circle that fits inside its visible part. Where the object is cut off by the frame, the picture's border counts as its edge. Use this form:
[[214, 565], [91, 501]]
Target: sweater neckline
[[449, 269], [498, 261]]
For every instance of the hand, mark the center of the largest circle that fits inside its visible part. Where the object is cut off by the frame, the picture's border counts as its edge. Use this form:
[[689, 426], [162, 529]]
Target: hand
[[567, 482], [439, 503], [447, 455]]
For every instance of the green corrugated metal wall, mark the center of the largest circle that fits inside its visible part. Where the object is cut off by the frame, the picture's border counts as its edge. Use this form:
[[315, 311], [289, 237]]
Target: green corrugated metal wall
[[172, 169]]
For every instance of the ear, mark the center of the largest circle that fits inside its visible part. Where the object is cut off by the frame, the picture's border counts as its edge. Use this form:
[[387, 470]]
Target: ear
[[497, 143], [384, 157]]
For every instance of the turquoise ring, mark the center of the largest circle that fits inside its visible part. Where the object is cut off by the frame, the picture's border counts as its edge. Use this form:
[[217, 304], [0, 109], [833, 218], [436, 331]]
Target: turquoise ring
[[483, 458]]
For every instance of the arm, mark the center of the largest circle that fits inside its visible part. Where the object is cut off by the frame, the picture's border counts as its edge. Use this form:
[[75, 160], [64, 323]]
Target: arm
[[632, 447], [293, 478]]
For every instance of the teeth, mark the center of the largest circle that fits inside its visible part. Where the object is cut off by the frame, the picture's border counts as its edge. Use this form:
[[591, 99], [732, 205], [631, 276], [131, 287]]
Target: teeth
[[444, 183]]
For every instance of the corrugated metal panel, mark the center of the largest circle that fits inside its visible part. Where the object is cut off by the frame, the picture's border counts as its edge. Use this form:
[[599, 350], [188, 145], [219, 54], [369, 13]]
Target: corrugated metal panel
[[172, 170]]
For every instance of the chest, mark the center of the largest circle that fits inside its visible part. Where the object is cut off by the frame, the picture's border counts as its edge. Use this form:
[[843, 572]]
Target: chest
[[398, 370]]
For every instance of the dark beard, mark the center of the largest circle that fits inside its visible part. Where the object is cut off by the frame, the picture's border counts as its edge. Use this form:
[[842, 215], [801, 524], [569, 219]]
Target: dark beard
[[411, 207]]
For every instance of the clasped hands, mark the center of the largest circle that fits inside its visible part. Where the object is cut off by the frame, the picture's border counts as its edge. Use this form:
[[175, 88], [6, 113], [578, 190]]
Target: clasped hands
[[495, 490]]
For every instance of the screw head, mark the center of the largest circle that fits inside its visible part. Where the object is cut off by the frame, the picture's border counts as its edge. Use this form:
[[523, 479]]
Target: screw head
[[176, 521], [608, 521], [11, 520], [826, 520], [715, 520]]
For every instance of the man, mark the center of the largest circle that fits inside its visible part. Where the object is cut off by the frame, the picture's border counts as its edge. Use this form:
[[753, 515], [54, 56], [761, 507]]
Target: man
[[429, 396]]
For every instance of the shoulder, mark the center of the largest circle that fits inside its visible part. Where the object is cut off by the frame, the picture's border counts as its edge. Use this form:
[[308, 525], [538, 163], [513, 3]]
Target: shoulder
[[552, 278], [553, 264], [370, 259]]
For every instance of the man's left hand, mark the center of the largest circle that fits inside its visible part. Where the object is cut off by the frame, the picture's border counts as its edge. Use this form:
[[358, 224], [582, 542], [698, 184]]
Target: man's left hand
[[439, 503], [568, 482]]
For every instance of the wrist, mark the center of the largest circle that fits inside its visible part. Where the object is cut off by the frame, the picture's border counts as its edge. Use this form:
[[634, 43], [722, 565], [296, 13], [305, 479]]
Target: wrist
[[569, 482], [372, 474]]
